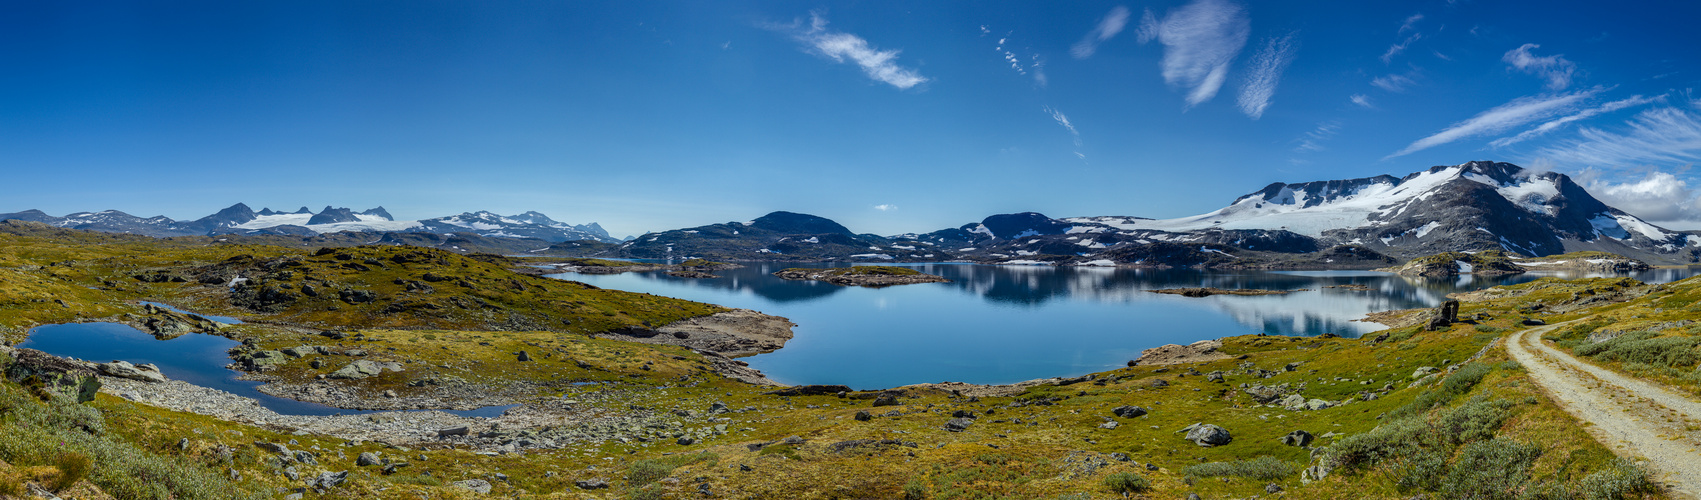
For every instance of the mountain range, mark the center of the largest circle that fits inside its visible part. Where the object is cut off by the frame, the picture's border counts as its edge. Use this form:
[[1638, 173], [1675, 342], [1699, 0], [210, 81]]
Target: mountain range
[[239, 219], [1352, 223], [1479, 205]]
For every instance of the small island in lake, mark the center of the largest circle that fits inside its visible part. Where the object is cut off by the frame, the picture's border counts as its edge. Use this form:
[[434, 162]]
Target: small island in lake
[[869, 276], [1209, 291]]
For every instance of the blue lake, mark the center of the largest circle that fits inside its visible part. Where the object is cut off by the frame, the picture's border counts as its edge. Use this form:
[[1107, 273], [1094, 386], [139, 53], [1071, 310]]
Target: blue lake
[[1003, 324], [195, 358]]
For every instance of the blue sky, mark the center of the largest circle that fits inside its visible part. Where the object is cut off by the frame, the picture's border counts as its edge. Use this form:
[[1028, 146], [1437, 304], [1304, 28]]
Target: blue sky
[[886, 116]]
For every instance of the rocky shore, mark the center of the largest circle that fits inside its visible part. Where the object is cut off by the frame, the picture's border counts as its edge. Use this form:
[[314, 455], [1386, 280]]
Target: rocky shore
[[736, 333], [867, 276], [1209, 291]]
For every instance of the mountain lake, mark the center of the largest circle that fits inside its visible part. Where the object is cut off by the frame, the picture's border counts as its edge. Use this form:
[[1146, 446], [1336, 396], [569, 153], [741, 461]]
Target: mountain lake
[[1004, 324]]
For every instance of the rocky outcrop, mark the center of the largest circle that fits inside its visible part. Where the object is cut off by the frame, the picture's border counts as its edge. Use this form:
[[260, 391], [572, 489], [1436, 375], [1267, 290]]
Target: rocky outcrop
[[166, 324], [146, 372], [1444, 316], [865, 276], [1173, 354], [734, 333], [32, 367], [1207, 435]]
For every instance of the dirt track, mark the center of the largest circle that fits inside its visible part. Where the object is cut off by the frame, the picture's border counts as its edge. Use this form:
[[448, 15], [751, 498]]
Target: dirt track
[[1635, 418]]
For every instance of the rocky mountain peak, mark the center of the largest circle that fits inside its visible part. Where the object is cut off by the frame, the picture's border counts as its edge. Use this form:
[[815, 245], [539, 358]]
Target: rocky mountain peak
[[333, 215], [379, 212], [1012, 226], [796, 223], [236, 214]]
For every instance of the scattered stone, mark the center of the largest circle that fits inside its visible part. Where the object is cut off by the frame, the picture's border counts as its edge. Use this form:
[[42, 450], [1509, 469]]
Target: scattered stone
[[864, 416], [456, 431], [479, 486], [1317, 404], [367, 458], [1272, 488], [886, 399], [1128, 411], [1108, 425], [1158, 382], [1208, 435], [1297, 438], [328, 480], [718, 407], [1421, 371], [687, 441], [307, 458], [958, 424], [1294, 402], [1120, 457], [591, 484], [524, 356]]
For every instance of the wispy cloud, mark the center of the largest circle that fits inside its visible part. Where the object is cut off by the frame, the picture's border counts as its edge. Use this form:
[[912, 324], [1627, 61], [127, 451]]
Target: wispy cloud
[[1659, 135], [1064, 121], [1556, 69], [1362, 100], [1200, 40], [1313, 140], [880, 65], [1393, 83], [1111, 24], [1267, 67], [1396, 49], [1554, 124], [1656, 196], [886, 207], [1411, 23], [1035, 63], [1500, 118]]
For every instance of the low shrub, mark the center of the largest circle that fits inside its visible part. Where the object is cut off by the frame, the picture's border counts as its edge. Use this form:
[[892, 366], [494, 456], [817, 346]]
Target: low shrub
[[72, 467], [1495, 469], [1127, 482], [1262, 468], [1615, 481]]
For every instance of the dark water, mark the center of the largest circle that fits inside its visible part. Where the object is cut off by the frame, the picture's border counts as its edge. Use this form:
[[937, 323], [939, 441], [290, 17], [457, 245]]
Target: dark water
[[195, 358], [1002, 324]]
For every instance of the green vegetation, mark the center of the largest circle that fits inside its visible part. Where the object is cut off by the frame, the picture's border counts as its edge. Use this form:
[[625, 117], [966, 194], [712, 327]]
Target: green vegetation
[[1437, 438], [856, 271]]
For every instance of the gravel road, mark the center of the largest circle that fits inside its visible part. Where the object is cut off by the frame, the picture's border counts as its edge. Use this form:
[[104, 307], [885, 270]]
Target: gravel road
[[1636, 418]]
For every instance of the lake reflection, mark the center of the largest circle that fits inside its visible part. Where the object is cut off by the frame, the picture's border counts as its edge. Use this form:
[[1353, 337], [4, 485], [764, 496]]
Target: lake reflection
[[1001, 324]]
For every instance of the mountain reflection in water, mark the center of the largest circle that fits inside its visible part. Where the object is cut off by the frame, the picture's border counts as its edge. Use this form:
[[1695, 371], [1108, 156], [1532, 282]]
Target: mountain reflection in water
[[1000, 324]]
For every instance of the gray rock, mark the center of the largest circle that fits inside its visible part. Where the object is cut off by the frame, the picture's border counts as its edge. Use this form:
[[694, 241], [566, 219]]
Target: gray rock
[[1317, 404], [958, 424], [1108, 425], [1421, 371], [123, 369], [718, 407], [272, 448], [308, 458], [792, 440], [328, 480], [1158, 382], [291, 473], [686, 441], [1120, 457], [1297, 438], [1444, 316], [591, 484], [367, 458], [1314, 473], [524, 356], [864, 416], [886, 399], [1272, 488], [453, 431], [1294, 402], [1128, 411], [479, 486], [364, 368], [1208, 435]]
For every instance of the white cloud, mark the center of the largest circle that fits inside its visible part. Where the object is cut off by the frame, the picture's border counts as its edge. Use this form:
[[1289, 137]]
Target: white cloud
[[1499, 118], [1555, 68], [1362, 100], [1659, 135], [1396, 49], [1064, 121], [1267, 67], [1554, 124], [1312, 141], [1657, 196], [880, 65], [886, 207], [1411, 23], [1108, 27], [1393, 83], [1039, 71], [1200, 40], [1149, 27]]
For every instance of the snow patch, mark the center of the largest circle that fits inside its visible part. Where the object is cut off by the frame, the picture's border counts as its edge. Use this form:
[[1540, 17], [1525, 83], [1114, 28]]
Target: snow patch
[[1100, 263], [1464, 267], [1426, 228], [872, 256]]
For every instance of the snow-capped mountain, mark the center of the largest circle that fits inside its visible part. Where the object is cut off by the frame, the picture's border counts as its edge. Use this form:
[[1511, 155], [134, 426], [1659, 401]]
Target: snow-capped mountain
[[240, 219], [1473, 206]]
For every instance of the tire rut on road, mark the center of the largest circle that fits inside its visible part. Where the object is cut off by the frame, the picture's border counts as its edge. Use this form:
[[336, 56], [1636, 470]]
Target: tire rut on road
[[1634, 418]]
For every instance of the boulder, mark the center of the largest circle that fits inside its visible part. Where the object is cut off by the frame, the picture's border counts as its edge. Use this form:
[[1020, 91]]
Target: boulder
[[479, 486], [1297, 438], [1421, 371], [864, 416], [958, 424], [453, 431], [886, 399], [1317, 404], [328, 480], [1444, 316], [146, 372], [1108, 425], [1294, 402], [591, 484], [1208, 435], [525, 356], [1128, 411], [367, 458]]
